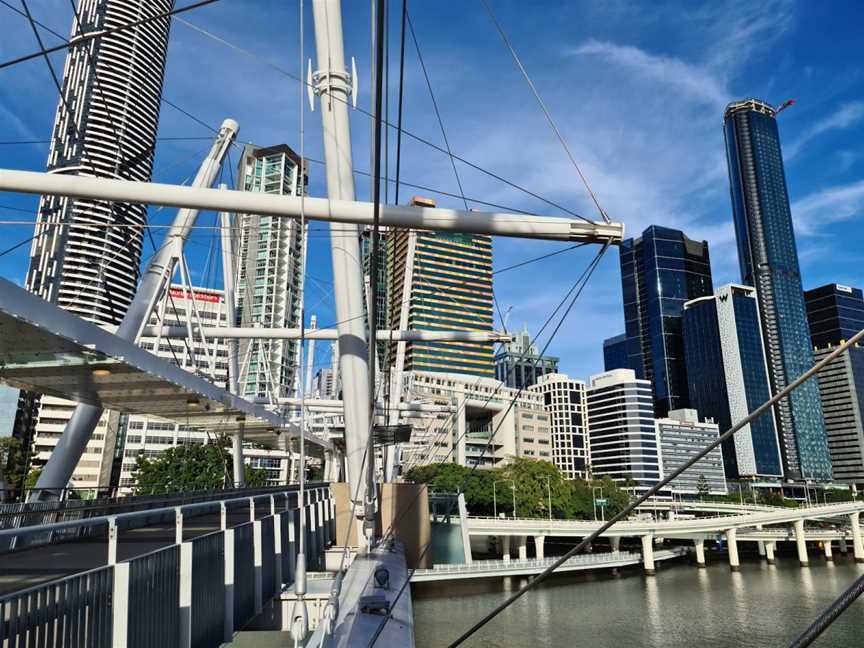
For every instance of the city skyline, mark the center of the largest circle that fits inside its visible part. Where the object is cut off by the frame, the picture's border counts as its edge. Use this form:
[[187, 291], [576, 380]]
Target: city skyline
[[618, 63]]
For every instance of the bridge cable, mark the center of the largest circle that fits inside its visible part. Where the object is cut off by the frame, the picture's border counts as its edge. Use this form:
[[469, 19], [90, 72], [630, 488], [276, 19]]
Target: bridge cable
[[105, 32], [543, 107], [830, 614], [583, 279], [361, 110], [623, 514]]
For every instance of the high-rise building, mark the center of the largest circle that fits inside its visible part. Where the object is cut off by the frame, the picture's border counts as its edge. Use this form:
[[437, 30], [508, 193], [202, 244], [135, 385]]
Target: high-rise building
[[269, 274], [769, 262], [565, 401], [660, 271], [149, 436], [683, 436], [623, 439], [481, 428], [615, 353], [835, 314], [86, 254], [105, 127], [729, 377], [519, 363], [440, 281]]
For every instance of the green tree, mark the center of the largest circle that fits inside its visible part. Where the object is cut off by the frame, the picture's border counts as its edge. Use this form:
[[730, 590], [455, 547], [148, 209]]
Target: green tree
[[190, 467], [13, 463], [702, 487], [32, 478]]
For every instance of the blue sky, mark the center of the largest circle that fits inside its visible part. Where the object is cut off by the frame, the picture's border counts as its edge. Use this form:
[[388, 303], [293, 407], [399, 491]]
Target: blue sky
[[638, 90]]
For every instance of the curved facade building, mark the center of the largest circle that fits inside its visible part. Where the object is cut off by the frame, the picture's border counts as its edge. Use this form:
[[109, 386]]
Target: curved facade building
[[769, 262], [105, 127]]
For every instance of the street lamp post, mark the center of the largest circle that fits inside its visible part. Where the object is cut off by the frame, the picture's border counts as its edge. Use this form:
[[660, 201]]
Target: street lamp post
[[494, 500], [594, 497], [548, 479]]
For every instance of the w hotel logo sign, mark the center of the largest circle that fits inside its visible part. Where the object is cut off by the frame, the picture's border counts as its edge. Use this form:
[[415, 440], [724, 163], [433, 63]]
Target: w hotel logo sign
[[723, 297]]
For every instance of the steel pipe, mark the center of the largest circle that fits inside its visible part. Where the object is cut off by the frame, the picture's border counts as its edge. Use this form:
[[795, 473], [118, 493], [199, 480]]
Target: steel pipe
[[322, 209]]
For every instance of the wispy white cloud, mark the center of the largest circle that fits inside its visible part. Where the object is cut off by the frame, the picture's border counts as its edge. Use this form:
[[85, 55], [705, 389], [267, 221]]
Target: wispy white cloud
[[840, 203], [846, 116], [697, 82]]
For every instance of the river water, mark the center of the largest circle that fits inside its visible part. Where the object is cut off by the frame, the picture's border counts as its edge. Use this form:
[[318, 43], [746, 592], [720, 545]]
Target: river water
[[680, 607]]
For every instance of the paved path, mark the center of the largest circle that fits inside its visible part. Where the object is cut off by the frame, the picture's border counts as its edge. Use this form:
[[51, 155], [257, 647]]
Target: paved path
[[28, 567]]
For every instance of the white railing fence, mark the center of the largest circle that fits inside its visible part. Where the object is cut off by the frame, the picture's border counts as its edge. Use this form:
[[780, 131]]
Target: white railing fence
[[191, 594]]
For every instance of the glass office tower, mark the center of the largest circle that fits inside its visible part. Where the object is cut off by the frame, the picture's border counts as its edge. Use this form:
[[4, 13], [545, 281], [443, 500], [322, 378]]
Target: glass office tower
[[836, 313], [728, 377], [769, 262], [660, 271], [615, 353]]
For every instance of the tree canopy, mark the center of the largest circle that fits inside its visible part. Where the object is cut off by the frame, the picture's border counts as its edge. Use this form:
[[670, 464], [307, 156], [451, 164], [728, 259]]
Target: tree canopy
[[190, 467], [535, 481], [13, 462]]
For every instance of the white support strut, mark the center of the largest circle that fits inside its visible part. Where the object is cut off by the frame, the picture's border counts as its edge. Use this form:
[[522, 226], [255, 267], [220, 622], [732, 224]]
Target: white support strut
[[154, 281], [258, 333], [332, 210]]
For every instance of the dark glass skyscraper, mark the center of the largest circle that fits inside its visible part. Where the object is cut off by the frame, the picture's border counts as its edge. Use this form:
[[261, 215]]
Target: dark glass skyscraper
[[835, 314], [728, 377], [615, 353], [769, 262], [659, 272]]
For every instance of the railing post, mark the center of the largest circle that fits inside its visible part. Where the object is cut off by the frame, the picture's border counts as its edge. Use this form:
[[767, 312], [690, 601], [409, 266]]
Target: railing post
[[178, 525], [112, 540], [185, 629], [277, 550], [257, 550], [251, 509], [120, 606], [223, 516], [228, 625]]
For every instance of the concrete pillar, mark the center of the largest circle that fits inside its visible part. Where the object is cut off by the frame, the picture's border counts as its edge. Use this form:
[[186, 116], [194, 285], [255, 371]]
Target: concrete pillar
[[732, 541], [801, 543], [844, 548], [538, 546], [523, 547], [827, 546], [700, 552], [760, 544], [857, 547], [616, 543], [505, 547], [769, 552], [648, 554]]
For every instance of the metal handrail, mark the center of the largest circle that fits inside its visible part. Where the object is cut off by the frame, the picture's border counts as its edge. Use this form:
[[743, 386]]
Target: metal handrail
[[108, 519]]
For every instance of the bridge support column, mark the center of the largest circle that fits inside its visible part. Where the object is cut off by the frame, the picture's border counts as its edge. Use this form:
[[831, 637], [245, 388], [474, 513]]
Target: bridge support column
[[801, 543], [732, 541], [523, 547], [844, 548], [827, 547], [616, 544], [700, 552], [769, 552], [505, 547], [760, 544], [648, 554], [857, 547], [538, 546]]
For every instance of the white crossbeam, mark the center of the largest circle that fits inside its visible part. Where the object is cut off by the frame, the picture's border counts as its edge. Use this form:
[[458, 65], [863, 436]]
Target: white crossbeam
[[258, 333], [250, 202]]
